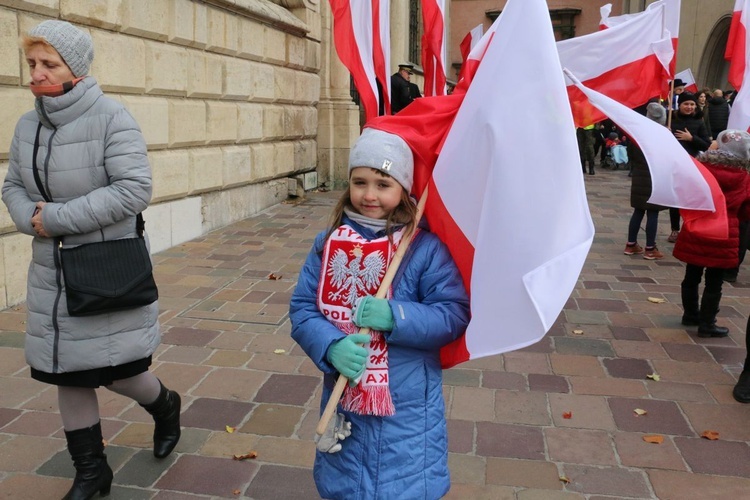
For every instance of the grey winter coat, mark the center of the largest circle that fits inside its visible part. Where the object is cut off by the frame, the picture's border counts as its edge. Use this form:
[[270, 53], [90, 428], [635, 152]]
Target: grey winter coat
[[92, 162]]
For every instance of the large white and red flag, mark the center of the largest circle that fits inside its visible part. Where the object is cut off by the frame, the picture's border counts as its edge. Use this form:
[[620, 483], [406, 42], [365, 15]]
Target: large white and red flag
[[361, 35], [672, 22], [470, 41], [687, 77], [677, 179], [514, 215], [628, 62], [433, 47], [737, 53]]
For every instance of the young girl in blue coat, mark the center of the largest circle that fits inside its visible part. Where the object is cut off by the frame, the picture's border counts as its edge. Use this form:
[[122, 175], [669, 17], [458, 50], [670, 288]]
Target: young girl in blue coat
[[393, 404]]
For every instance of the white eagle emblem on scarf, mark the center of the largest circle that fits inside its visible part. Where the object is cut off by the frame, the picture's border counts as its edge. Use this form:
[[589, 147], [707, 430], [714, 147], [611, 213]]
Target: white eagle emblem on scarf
[[354, 278]]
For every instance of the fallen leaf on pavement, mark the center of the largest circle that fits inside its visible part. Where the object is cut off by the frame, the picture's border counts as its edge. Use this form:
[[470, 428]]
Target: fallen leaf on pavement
[[568, 414], [711, 435], [230, 429], [657, 300], [654, 439], [654, 376], [578, 332], [252, 454], [639, 411], [564, 479], [273, 277], [236, 492], [279, 351]]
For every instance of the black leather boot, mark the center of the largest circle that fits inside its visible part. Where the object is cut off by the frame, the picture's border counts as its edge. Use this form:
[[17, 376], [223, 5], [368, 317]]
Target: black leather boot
[[92, 471], [741, 391], [691, 316], [166, 413], [709, 309]]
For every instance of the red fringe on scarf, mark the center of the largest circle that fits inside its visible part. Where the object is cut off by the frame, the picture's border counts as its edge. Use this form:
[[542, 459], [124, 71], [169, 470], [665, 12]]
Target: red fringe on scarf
[[368, 401]]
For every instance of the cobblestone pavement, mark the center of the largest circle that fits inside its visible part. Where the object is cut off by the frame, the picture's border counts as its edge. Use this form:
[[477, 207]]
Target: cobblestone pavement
[[554, 421]]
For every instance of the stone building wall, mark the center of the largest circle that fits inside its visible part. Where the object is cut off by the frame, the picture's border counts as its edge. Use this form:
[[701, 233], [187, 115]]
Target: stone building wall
[[225, 91]]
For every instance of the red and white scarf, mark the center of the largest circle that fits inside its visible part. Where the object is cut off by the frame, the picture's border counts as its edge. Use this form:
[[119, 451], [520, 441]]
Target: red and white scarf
[[354, 267]]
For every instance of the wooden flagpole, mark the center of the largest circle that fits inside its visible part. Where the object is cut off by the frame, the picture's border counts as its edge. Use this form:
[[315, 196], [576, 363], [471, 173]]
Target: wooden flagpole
[[338, 389], [671, 103]]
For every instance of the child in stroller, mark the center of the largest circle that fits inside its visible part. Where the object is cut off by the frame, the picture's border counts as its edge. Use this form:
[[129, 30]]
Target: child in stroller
[[617, 153]]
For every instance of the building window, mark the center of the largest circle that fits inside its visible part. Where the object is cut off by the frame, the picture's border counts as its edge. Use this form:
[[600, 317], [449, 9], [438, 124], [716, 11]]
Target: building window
[[563, 22], [415, 31]]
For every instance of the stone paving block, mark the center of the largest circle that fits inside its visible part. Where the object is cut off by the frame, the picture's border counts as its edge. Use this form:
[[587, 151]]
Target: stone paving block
[[730, 420], [728, 458], [184, 354], [35, 423], [629, 333], [619, 483], [635, 452], [18, 487], [572, 364], [698, 373], [284, 451], [489, 492], [234, 384], [579, 446], [273, 420], [538, 494], [215, 414], [143, 469], [504, 380], [523, 473], [460, 436], [459, 377], [679, 392], [599, 386], [663, 417], [274, 482], [229, 358], [587, 412], [728, 355], [526, 362], [208, 475], [583, 347], [189, 336], [26, 453], [279, 363], [11, 361], [671, 485], [628, 368], [509, 441], [686, 352], [7, 415], [547, 383], [602, 305], [466, 469], [16, 390], [544, 345], [287, 389], [223, 444], [473, 403], [638, 349], [521, 408]]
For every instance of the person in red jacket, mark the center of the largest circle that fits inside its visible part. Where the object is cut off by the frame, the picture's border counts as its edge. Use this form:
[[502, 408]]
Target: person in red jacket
[[730, 165]]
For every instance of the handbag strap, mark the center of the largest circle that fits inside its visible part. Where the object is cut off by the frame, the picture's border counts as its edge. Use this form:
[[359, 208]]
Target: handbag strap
[[140, 224]]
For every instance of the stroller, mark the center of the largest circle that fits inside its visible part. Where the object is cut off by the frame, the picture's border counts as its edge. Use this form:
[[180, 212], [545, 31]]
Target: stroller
[[617, 154]]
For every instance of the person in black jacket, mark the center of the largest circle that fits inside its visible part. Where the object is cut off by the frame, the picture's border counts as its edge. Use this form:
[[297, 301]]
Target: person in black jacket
[[718, 112], [401, 90], [688, 127]]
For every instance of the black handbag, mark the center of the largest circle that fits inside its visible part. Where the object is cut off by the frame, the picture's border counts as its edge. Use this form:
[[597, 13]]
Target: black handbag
[[104, 276]]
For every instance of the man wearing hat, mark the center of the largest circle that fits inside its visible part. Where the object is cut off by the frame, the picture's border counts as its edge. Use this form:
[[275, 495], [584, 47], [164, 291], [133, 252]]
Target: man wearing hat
[[679, 88], [401, 87]]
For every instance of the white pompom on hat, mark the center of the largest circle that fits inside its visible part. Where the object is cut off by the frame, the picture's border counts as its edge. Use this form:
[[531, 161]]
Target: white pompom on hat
[[385, 152], [734, 142], [74, 46]]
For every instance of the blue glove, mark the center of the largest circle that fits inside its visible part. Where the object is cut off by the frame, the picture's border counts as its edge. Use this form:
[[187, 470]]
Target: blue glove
[[348, 356], [373, 313]]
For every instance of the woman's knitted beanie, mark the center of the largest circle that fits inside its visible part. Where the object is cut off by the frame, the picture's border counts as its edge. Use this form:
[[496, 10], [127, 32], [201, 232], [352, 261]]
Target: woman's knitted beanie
[[74, 46]]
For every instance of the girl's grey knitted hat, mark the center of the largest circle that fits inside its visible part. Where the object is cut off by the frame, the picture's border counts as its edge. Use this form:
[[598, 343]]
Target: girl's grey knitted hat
[[74, 46], [735, 142], [385, 152]]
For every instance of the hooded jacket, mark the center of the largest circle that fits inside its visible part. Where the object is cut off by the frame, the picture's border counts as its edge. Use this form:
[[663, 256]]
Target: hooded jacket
[[405, 455], [92, 162], [732, 175]]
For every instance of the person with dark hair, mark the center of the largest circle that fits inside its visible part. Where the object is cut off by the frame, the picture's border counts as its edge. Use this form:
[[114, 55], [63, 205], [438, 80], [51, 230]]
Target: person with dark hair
[[688, 127], [97, 180], [402, 92]]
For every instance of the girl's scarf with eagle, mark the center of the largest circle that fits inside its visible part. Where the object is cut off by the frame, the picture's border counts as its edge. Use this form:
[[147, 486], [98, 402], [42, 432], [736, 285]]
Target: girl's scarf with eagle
[[353, 267]]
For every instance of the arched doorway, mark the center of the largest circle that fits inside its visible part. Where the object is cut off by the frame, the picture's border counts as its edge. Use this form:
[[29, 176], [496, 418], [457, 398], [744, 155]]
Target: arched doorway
[[714, 69]]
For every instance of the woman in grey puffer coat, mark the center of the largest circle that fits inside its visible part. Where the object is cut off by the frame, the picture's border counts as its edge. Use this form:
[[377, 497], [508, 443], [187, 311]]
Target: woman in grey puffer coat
[[91, 160]]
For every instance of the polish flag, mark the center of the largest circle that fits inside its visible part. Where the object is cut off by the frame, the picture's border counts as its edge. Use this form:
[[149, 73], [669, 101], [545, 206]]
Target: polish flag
[[737, 51], [672, 22], [687, 77], [470, 41], [677, 179], [481, 200], [361, 37], [433, 47], [628, 62], [737, 43]]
